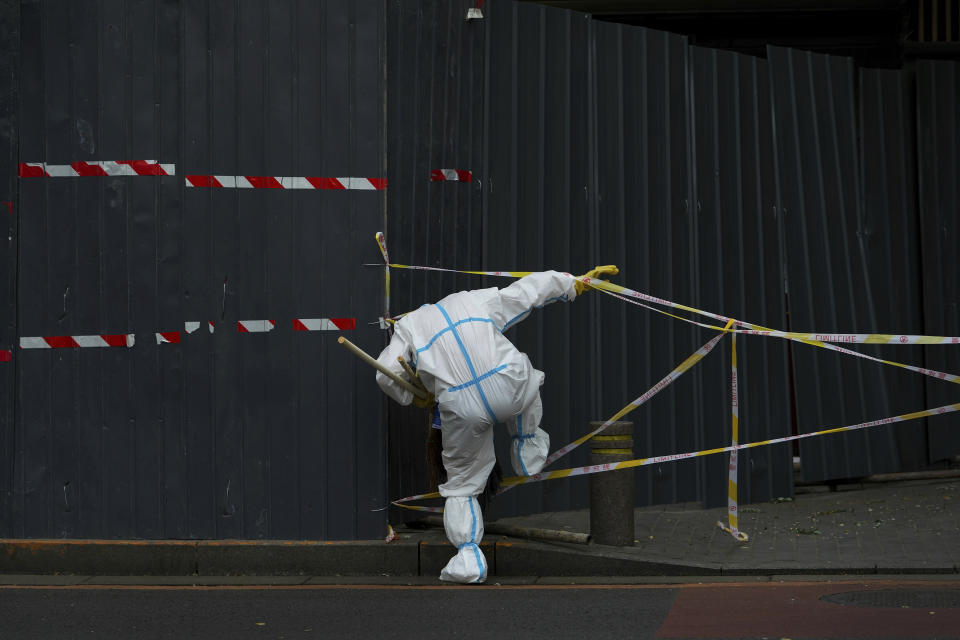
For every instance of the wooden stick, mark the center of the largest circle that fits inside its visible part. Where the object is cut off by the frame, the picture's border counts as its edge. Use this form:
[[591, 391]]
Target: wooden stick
[[360, 353], [414, 378], [532, 533]]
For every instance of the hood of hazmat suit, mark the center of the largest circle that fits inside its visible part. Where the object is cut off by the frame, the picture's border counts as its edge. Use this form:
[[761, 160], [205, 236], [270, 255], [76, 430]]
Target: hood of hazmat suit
[[479, 379]]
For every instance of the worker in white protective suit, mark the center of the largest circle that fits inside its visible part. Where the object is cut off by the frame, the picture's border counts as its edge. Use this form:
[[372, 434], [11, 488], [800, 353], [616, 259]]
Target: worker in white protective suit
[[478, 378]]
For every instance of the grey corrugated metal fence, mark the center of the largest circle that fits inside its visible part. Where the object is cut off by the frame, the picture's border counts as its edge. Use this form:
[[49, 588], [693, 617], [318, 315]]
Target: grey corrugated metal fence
[[9, 65], [938, 151], [222, 435], [837, 262], [738, 185], [738, 252], [779, 191], [588, 158]]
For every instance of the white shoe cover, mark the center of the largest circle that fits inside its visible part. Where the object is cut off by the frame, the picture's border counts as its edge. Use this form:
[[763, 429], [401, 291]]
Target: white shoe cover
[[463, 523]]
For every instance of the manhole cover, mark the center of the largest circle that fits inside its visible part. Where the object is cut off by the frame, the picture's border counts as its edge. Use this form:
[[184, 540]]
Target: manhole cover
[[899, 598]]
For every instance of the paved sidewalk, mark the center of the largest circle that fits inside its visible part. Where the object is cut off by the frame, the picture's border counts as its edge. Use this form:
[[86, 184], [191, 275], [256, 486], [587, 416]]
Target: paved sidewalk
[[860, 528], [878, 528]]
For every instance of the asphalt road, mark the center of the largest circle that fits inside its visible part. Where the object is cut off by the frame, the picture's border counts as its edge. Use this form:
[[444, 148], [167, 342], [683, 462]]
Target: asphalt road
[[724, 610]]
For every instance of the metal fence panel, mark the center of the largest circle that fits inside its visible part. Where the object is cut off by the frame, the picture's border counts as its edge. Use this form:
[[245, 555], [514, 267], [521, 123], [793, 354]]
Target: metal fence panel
[[889, 239], [224, 434], [9, 98], [435, 78], [938, 141], [646, 223], [539, 208], [198, 363], [584, 158], [698, 172], [512, 110], [738, 265], [833, 285]]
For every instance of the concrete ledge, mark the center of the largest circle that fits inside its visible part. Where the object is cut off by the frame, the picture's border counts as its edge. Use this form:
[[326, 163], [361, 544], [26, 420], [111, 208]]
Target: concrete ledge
[[411, 556], [196, 581], [98, 557], [280, 558], [918, 567], [533, 559], [211, 558], [44, 580], [21, 581], [794, 570]]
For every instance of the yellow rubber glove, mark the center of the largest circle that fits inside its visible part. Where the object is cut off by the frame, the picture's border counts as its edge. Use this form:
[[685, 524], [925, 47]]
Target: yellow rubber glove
[[594, 274], [424, 403]]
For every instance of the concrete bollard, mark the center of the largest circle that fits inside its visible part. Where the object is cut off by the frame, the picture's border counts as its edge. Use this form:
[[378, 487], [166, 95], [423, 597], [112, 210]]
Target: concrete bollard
[[612, 492]]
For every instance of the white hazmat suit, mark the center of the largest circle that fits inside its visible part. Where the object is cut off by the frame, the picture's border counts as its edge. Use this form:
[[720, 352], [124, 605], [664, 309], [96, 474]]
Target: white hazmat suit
[[479, 379]]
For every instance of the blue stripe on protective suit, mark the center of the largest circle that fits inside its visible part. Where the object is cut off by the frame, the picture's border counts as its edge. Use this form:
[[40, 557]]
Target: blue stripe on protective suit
[[466, 356], [473, 543], [443, 331], [477, 380], [521, 438]]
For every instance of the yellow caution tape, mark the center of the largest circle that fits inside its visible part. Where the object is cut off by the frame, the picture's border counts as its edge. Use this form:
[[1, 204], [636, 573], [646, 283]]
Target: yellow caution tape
[[807, 339], [822, 340], [504, 274], [640, 462], [849, 338], [590, 469], [603, 285], [382, 243], [733, 519], [666, 381]]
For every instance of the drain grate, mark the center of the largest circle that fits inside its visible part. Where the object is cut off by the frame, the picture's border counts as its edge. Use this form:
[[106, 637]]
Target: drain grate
[[899, 598]]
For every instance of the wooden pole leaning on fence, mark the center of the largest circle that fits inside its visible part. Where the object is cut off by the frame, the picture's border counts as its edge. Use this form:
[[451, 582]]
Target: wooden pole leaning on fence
[[363, 355], [414, 378]]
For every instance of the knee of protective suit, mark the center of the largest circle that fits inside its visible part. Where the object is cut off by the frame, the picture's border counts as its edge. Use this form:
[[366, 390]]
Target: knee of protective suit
[[463, 523], [529, 451]]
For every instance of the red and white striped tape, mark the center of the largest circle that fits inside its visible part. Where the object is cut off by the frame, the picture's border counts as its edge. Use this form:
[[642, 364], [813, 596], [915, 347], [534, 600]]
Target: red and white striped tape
[[174, 337], [255, 326], [324, 324], [294, 182], [451, 175], [96, 168], [263, 326], [191, 326], [74, 342]]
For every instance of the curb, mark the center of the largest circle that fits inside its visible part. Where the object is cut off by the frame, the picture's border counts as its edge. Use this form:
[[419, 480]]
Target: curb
[[209, 557], [349, 558], [96, 557], [374, 558]]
